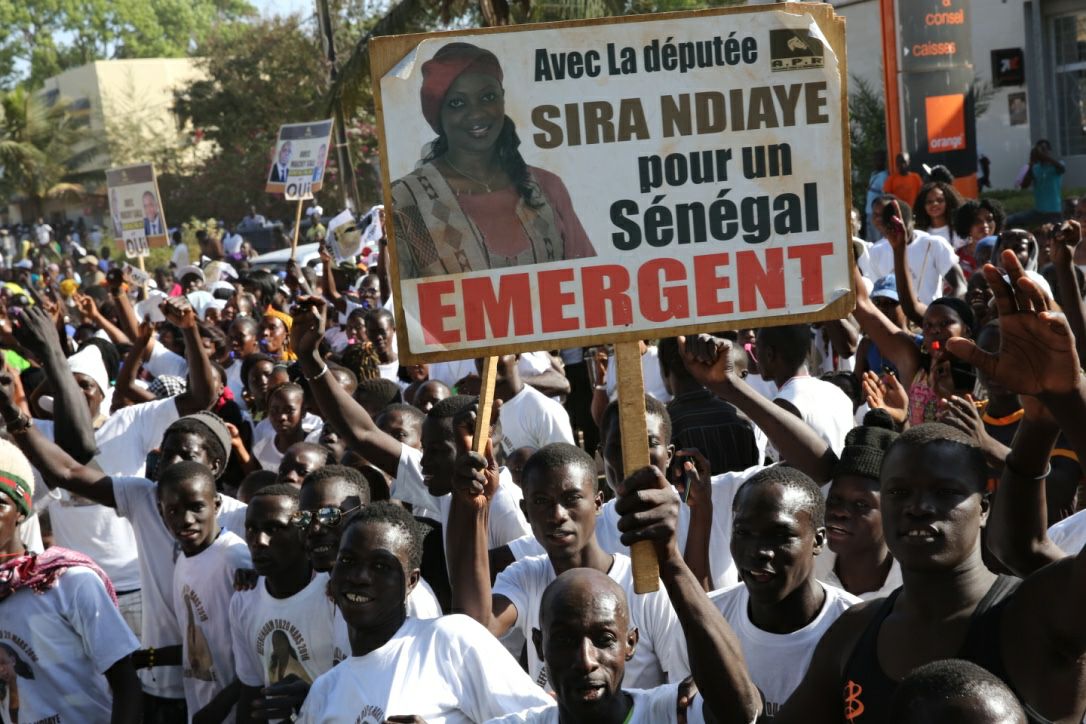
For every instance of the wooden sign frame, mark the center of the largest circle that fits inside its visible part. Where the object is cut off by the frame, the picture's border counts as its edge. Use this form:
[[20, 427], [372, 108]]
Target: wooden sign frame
[[386, 52]]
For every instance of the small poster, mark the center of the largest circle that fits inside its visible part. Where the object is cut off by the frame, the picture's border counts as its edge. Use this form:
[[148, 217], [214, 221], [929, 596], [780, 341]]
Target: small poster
[[297, 168], [135, 208]]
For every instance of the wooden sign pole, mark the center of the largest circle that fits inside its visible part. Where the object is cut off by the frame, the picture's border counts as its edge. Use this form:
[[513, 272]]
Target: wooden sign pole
[[297, 229], [486, 405], [635, 450], [143, 268]]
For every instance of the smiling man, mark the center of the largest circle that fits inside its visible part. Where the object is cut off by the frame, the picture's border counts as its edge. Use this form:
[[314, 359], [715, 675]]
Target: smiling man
[[779, 611], [446, 669]]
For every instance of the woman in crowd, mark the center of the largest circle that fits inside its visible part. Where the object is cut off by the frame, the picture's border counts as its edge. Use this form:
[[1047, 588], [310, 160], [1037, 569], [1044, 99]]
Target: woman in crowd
[[474, 203]]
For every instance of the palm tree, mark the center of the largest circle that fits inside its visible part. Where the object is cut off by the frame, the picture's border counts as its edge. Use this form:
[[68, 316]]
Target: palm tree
[[43, 147]]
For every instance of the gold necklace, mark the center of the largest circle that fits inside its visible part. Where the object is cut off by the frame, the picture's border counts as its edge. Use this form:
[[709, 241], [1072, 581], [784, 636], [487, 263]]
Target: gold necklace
[[465, 174]]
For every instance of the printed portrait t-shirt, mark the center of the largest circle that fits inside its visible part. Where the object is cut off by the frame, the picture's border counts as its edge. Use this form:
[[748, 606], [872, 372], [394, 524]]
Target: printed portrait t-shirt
[[202, 587], [445, 670], [273, 638], [56, 647], [660, 656], [158, 551]]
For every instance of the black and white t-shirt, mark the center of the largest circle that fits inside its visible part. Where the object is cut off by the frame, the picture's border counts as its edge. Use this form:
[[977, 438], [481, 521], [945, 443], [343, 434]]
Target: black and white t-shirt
[[56, 646], [158, 552], [202, 587]]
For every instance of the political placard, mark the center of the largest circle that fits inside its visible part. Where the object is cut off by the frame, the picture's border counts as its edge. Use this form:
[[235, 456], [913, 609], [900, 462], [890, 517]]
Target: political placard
[[564, 184], [137, 221], [298, 160]]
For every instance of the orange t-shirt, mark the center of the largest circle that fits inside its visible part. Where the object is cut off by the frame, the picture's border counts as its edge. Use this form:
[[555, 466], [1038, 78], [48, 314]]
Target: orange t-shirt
[[904, 187]]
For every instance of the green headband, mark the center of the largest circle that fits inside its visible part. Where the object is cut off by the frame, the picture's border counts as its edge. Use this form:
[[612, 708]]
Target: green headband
[[18, 490]]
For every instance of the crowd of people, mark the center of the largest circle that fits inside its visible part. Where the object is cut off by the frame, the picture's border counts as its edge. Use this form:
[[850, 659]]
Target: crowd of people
[[224, 498]]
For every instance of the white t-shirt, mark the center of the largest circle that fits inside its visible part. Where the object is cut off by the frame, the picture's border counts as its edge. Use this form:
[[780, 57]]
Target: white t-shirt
[[650, 373], [273, 638], [531, 419], [721, 566], [821, 405], [202, 587], [507, 521], [180, 256], [1070, 533], [660, 655], [778, 662], [264, 449], [97, 532], [824, 572], [929, 258], [452, 372], [948, 234], [158, 552], [445, 670], [62, 643], [650, 706], [162, 361]]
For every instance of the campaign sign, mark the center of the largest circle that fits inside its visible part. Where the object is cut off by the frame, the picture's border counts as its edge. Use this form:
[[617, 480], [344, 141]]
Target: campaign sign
[[298, 160], [566, 184]]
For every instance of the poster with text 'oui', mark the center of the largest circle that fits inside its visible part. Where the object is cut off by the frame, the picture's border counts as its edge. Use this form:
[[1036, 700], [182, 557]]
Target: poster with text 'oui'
[[573, 183]]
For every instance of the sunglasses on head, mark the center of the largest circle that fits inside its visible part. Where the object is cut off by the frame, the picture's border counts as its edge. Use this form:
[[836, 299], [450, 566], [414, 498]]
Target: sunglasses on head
[[329, 517]]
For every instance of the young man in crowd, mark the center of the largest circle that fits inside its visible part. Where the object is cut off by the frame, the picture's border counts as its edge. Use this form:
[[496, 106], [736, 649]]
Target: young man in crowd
[[779, 611], [282, 628], [203, 581], [445, 669], [561, 499], [935, 503]]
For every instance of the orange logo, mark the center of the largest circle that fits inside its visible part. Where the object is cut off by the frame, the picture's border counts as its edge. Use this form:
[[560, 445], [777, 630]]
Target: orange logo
[[853, 706], [945, 117]]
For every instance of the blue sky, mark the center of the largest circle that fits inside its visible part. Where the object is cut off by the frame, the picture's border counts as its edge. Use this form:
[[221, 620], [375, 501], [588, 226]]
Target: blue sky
[[285, 7]]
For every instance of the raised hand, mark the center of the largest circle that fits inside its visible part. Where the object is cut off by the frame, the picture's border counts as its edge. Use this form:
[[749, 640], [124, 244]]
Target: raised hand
[[1065, 240], [87, 307], [886, 393], [694, 479], [36, 330], [179, 312], [1037, 350], [307, 330], [708, 359], [962, 414], [895, 231], [649, 507]]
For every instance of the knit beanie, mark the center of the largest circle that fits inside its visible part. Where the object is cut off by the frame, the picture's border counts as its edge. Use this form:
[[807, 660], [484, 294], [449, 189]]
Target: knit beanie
[[865, 447], [214, 425]]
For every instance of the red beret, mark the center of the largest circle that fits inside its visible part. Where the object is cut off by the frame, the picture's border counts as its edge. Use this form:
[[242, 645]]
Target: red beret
[[448, 64]]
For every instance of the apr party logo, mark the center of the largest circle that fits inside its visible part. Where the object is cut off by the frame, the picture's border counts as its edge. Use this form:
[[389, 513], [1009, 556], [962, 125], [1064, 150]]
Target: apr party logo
[[795, 50], [371, 715]]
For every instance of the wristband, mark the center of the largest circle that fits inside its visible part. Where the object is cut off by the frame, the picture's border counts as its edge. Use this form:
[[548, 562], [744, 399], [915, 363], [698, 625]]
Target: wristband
[[317, 376], [601, 388], [1014, 471]]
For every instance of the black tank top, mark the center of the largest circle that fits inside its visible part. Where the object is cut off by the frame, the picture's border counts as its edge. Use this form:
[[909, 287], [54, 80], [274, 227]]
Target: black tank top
[[867, 690]]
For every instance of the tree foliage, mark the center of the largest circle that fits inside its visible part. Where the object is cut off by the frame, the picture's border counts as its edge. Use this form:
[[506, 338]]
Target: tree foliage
[[270, 74], [40, 38], [42, 148], [867, 132]]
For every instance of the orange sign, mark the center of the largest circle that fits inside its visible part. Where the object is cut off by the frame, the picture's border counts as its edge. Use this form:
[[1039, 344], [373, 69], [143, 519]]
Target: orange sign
[[945, 122]]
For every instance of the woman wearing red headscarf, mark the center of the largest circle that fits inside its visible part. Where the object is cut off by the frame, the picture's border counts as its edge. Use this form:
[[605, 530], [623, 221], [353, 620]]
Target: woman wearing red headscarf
[[474, 203]]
